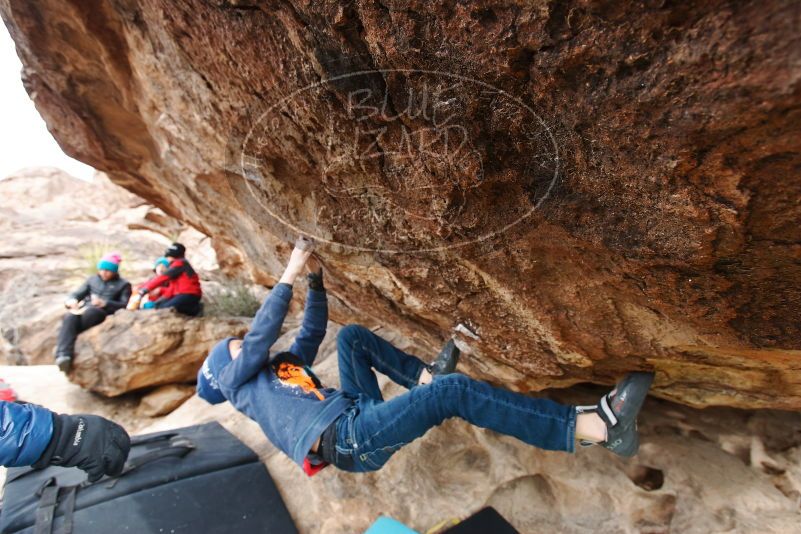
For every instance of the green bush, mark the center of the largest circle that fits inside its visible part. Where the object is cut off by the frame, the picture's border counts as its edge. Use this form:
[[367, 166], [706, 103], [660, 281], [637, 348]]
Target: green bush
[[234, 298]]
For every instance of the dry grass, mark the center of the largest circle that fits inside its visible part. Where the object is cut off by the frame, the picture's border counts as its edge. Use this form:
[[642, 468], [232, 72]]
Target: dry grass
[[234, 298]]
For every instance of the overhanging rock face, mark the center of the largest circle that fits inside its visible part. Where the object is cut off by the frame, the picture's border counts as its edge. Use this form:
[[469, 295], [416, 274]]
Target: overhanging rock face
[[592, 189]]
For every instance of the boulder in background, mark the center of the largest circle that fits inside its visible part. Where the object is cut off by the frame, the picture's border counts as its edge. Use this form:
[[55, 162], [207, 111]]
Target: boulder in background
[[137, 349]]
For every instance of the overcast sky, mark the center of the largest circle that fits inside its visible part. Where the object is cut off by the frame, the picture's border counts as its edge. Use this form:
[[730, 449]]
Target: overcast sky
[[24, 139]]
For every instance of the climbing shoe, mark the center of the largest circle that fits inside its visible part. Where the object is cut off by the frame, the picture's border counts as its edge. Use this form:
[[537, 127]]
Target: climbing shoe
[[64, 363], [446, 360], [618, 410]]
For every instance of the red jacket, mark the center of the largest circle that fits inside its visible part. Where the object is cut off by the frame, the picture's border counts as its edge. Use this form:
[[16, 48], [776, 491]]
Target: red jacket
[[164, 291], [181, 277]]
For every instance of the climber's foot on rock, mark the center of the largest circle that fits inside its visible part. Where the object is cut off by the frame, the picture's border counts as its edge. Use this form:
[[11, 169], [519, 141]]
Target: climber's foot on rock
[[446, 360], [619, 409], [616, 416]]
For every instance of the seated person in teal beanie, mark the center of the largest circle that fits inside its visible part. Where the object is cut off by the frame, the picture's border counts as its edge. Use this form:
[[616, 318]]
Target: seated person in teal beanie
[[101, 295], [183, 292], [354, 428], [164, 291]]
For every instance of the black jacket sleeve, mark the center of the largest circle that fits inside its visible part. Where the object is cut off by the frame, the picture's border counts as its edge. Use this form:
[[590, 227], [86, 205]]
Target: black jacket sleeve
[[121, 299], [82, 292]]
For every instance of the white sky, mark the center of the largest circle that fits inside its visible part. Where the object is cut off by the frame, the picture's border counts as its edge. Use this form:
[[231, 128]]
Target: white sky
[[24, 139]]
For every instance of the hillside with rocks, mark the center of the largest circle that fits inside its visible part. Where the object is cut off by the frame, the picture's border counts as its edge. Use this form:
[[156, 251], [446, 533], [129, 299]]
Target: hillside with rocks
[[55, 227]]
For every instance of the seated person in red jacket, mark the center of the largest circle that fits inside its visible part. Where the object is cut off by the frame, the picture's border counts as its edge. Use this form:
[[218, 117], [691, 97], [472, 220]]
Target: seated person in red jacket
[[162, 291], [183, 283]]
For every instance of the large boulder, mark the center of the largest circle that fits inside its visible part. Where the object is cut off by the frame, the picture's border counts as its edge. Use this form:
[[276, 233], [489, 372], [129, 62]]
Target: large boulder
[[593, 188], [138, 349]]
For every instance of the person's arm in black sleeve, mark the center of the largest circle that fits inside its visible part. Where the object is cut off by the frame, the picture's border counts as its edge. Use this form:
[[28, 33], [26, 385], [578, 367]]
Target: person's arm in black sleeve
[[121, 301], [82, 292], [174, 272]]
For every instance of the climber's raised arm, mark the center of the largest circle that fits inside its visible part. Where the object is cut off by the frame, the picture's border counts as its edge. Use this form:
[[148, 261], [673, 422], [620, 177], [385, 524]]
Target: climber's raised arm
[[315, 316], [254, 352]]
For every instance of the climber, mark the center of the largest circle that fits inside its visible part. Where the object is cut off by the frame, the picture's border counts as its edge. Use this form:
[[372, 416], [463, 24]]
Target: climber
[[163, 291], [102, 294], [183, 291], [35, 436], [354, 428]]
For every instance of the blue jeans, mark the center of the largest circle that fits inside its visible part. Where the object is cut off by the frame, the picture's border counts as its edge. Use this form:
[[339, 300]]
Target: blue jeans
[[372, 430]]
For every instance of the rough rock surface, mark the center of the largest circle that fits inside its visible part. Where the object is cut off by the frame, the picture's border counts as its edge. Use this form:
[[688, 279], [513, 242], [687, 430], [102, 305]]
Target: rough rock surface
[[699, 471], [164, 399], [138, 349], [592, 187]]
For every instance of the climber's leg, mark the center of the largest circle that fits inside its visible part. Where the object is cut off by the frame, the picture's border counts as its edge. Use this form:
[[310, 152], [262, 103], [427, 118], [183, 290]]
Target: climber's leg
[[360, 351], [375, 430]]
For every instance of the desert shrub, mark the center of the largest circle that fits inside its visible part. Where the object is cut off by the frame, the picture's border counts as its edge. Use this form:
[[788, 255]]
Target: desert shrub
[[232, 298]]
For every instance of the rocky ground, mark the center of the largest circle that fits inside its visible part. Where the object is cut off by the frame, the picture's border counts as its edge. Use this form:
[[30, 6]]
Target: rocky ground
[[699, 471]]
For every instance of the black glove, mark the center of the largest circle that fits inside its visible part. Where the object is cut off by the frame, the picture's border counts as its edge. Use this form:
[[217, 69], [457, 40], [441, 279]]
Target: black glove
[[88, 442], [316, 280]]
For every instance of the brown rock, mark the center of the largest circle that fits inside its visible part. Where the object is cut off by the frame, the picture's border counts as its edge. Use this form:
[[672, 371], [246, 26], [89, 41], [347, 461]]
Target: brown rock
[[159, 222], [164, 399], [593, 188], [137, 349]]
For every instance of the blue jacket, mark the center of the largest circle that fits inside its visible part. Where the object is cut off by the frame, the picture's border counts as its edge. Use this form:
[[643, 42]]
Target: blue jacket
[[281, 393], [25, 432]]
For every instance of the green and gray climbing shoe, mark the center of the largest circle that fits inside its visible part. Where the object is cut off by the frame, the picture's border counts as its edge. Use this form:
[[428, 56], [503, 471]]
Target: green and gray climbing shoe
[[446, 360], [619, 410]]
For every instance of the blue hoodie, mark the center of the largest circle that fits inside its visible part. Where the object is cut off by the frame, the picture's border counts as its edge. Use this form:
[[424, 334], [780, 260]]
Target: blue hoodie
[[25, 432], [280, 393]]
